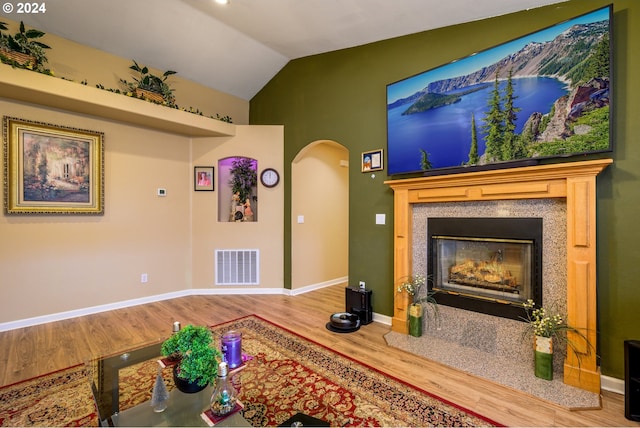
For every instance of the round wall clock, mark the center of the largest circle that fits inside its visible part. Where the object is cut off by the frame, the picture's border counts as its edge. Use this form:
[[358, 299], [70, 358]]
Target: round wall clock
[[269, 177]]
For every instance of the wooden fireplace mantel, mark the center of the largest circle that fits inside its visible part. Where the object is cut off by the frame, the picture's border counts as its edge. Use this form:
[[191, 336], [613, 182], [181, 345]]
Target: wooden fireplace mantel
[[575, 182]]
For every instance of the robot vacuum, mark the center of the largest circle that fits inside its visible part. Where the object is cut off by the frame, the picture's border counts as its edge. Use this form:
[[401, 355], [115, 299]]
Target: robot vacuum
[[343, 322]]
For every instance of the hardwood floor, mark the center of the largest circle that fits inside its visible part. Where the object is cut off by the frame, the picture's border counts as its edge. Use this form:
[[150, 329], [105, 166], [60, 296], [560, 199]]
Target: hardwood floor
[[32, 351]]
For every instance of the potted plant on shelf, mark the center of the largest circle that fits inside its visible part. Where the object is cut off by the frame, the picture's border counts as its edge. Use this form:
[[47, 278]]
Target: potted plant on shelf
[[22, 49], [412, 285], [197, 359], [547, 326], [243, 179], [150, 87]]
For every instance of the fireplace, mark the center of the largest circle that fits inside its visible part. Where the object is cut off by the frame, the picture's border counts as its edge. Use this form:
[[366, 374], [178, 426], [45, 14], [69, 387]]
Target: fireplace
[[572, 182], [486, 265]]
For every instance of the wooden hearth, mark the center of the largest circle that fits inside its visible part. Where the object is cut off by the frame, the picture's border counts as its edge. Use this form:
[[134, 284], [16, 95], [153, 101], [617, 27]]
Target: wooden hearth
[[575, 182]]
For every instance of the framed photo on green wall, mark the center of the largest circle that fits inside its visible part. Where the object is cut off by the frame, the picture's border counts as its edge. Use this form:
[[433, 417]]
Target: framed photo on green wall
[[372, 161], [51, 169]]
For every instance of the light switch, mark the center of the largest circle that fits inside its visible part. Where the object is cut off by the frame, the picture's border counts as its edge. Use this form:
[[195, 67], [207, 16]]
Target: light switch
[[381, 219], [300, 219]]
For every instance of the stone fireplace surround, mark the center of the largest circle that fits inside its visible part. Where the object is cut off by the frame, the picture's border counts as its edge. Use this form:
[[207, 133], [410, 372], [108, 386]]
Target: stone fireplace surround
[[549, 190], [493, 334]]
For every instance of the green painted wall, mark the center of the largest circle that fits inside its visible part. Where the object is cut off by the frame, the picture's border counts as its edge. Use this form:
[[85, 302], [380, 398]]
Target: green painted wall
[[341, 96]]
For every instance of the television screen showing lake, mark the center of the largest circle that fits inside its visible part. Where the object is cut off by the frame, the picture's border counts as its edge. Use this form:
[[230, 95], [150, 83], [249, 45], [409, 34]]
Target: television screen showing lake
[[544, 95]]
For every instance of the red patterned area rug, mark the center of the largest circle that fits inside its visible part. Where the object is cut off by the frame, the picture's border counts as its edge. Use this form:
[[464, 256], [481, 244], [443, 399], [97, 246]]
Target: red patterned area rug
[[295, 374], [62, 398], [285, 374]]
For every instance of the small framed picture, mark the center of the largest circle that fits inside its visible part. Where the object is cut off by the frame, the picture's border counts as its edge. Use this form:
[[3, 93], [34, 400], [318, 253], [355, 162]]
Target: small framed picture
[[372, 161], [203, 178]]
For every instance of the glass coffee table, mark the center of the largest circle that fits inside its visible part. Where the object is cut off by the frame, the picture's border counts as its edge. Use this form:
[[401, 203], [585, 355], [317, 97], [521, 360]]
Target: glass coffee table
[[182, 409]]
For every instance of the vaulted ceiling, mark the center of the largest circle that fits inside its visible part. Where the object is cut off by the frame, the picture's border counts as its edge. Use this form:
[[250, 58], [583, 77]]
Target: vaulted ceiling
[[237, 48]]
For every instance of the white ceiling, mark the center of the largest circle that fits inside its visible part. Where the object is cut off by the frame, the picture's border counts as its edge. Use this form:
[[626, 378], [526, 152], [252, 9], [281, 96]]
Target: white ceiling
[[239, 47]]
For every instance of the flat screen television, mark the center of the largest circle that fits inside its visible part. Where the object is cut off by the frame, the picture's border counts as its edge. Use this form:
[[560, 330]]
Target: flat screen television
[[544, 95]]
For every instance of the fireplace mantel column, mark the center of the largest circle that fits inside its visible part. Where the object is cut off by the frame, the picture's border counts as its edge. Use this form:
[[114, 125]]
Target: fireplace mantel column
[[580, 367], [402, 230], [574, 181]]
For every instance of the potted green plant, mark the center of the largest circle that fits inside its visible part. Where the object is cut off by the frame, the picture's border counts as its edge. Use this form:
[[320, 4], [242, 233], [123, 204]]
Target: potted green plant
[[197, 359], [23, 49], [547, 326], [412, 285], [243, 179], [149, 86]]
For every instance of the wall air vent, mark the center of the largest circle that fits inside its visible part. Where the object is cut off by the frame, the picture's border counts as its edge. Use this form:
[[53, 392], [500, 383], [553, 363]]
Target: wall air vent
[[237, 267]]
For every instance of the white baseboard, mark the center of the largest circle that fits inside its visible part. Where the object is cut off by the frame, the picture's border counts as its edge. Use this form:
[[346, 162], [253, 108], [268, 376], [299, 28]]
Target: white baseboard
[[382, 319], [318, 286], [28, 322], [612, 384]]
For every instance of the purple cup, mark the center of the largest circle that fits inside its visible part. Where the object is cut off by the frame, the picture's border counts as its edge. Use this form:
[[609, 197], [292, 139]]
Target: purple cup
[[232, 348]]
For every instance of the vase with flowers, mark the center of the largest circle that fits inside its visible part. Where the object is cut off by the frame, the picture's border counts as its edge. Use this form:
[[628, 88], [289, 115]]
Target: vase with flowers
[[419, 301], [546, 326]]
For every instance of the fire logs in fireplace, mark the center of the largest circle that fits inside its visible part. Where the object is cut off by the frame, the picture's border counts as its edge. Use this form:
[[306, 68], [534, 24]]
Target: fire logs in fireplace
[[484, 274]]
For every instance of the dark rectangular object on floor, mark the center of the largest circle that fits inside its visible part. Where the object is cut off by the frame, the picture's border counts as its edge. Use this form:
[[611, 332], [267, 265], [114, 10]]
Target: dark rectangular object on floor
[[358, 302], [632, 379], [304, 421]]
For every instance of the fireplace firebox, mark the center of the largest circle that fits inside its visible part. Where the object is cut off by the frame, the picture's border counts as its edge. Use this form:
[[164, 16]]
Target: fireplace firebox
[[487, 265]]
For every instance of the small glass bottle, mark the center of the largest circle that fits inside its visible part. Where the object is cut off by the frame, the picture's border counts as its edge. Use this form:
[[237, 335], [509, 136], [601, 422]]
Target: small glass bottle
[[225, 396]]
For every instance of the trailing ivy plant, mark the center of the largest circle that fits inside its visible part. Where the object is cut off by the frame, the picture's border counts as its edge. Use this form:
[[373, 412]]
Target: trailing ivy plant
[[152, 83], [24, 41]]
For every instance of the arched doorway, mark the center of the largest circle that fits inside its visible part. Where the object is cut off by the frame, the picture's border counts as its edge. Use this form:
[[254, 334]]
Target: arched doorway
[[320, 215]]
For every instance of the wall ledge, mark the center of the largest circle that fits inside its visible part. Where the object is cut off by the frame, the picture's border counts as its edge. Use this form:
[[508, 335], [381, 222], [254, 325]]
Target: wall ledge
[[40, 89]]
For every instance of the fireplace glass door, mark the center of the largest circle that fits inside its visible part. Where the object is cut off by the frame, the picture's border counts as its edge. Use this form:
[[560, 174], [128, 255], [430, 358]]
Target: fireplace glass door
[[485, 268], [490, 265]]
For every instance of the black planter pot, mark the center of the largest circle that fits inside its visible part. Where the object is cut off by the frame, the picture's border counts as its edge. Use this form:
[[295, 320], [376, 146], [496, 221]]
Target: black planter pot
[[184, 385]]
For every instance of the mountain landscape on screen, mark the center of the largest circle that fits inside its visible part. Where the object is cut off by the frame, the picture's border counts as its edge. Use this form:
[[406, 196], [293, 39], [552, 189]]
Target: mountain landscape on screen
[[543, 95]]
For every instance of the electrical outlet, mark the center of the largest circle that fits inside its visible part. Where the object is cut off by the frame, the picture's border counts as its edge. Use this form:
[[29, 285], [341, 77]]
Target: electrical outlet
[[362, 284], [144, 278]]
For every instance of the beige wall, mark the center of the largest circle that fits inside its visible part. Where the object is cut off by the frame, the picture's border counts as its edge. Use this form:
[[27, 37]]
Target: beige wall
[[51, 264], [264, 143], [320, 193]]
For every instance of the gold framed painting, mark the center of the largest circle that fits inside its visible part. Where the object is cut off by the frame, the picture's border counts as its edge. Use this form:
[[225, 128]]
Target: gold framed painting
[[50, 169]]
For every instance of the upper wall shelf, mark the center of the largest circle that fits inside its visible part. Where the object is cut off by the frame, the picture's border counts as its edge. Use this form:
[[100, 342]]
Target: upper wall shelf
[[36, 88]]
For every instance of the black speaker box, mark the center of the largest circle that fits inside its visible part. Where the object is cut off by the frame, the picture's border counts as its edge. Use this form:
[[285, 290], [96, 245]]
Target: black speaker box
[[358, 302], [632, 379]]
